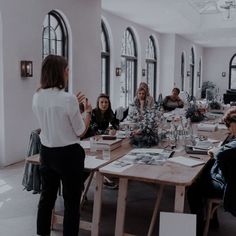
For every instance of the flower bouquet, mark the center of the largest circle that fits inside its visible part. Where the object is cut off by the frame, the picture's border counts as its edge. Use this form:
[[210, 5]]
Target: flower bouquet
[[146, 132], [194, 113]]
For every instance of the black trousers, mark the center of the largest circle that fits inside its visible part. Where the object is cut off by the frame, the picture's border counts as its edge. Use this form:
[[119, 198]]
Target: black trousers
[[65, 164], [198, 193]]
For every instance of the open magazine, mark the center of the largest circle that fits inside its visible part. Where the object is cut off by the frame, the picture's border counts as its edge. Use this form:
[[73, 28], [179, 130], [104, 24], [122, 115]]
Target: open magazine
[[146, 156]]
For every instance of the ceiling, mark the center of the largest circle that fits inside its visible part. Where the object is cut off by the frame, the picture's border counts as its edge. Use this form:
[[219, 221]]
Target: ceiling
[[201, 21]]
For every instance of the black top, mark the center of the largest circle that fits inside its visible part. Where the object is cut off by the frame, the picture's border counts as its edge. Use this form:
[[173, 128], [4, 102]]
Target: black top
[[100, 122]]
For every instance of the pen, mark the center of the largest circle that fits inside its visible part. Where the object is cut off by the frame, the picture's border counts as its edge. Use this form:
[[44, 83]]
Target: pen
[[196, 157]]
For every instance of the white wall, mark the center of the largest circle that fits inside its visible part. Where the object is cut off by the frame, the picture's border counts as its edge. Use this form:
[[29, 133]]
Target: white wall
[[22, 40], [2, 130], [217, 61], [184, 45], [116, 27], [167, 75]]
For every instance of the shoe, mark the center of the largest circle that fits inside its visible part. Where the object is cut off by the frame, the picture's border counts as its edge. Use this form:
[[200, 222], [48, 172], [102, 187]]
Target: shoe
[[110, 184]]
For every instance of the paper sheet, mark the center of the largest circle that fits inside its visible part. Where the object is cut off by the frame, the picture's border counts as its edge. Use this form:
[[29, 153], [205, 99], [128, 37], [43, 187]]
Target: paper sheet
[[117, 166], [85, 144], [181, 224], [187, 161], [91, 162]]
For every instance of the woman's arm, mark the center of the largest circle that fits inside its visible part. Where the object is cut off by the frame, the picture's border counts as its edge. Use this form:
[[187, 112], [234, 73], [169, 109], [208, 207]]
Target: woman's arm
[[87, 119]]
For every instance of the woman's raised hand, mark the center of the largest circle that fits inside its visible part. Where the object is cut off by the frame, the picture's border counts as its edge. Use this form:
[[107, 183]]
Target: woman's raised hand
[[87, 105], [80, 97]]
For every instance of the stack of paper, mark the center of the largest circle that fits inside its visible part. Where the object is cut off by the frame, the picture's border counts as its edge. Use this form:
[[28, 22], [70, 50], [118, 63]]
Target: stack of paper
[[203, 145], [207, 127]]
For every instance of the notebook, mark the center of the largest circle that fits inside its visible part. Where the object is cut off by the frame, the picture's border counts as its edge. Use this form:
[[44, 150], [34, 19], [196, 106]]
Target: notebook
[[187, 161]]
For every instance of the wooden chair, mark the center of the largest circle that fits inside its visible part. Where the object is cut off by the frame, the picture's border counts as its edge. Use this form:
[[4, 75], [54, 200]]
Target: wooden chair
[[212, 205]]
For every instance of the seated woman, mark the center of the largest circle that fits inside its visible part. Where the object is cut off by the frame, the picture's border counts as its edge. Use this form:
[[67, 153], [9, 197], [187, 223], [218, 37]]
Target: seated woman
[[218, 177], [173, 101], [149, 98], [101, 117], [140, 105], [143, 117]]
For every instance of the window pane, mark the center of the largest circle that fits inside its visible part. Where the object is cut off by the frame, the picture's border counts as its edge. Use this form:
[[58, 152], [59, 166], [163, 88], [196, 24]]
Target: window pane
[[128, 67], [105, 55], [103, 75], [150, 77], [56, 34], [182, 72], [46, 47], [59, 47], [234, 61], [233, 78]]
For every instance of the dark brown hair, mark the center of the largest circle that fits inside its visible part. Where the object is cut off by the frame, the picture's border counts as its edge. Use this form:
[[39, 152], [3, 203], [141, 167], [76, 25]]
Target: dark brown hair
[[103, 95], [52, 72], [108, 114], [230, 117], [176, 89]]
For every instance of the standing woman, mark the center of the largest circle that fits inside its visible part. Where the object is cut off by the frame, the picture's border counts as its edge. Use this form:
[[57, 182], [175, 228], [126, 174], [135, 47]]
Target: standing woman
[[62, 158]]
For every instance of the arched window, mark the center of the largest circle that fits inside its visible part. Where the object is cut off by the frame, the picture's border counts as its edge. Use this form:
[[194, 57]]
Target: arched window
[[182, 71], [105, 55], [55, 35], [192, 67], [199, 73], [128, 79], [232, 72], [151, 63]]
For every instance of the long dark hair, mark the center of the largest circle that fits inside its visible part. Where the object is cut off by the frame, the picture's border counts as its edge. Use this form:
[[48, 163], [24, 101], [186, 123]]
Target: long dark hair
[[108, 114], [52, 72]]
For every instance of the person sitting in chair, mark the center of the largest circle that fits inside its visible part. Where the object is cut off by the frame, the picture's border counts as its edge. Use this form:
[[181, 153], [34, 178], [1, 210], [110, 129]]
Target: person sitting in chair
[[173, 101], [102, 115], [218, 177]]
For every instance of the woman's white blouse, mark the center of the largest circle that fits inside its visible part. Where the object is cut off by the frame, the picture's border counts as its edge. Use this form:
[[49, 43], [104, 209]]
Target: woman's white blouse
[[59, 117]]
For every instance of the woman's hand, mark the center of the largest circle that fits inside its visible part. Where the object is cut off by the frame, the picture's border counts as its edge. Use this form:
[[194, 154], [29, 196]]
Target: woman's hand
[[80, 97], [136, 131], [212, 152], [87, 105]]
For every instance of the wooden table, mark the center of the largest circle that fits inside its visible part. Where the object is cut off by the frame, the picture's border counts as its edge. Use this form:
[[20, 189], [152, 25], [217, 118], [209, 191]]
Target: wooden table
[[92, 168], [169, 174]]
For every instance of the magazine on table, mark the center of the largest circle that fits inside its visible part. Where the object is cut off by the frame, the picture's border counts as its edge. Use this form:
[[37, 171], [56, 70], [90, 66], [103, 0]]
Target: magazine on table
[[147, 156]]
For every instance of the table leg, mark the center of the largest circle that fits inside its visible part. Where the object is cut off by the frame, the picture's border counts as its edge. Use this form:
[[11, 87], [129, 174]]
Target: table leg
[[121, 207], [97, 205], [179, 198], [87, 185], [156, 208]]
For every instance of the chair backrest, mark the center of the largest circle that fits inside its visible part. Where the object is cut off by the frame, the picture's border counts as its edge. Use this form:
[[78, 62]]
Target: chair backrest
[[121, 113]]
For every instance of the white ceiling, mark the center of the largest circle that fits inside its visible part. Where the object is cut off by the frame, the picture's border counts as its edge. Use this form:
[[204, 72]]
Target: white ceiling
[[200, 21]]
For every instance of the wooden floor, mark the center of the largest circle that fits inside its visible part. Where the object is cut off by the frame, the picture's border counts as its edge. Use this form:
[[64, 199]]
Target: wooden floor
[[18, 208]]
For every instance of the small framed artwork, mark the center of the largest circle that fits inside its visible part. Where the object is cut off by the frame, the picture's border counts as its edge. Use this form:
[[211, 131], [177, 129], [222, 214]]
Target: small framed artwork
[[143, 72], [223, 74], [118, 71]]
